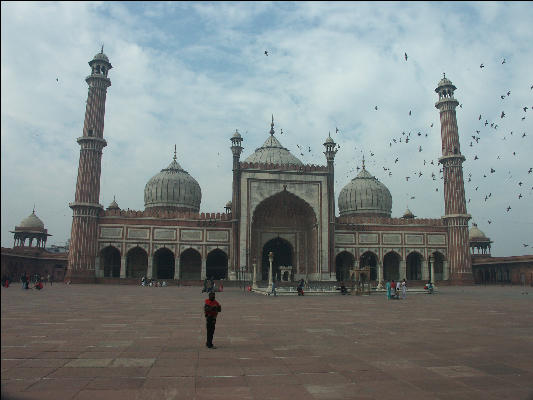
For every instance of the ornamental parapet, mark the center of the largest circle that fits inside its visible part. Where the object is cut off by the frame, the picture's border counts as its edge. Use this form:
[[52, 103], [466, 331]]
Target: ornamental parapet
[[283, 167], [389, 221], [165, 214]]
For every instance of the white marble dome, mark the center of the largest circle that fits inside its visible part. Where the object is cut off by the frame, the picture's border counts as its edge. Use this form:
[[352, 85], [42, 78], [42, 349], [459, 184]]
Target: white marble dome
[[32, 221], [273, 152], [173, 187], [365, 195]]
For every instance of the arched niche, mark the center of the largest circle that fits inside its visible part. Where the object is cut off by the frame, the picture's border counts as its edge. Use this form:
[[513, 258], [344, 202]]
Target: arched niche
[[110, 262], [391, 266], [369, 259], [164, 264], [344, 262], [216, 265], [413, 266], [190, 265], [136, 263], [438, 266], [282, 215]]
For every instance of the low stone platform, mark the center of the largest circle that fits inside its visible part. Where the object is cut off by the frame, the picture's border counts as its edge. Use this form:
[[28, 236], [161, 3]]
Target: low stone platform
[[131, 342]]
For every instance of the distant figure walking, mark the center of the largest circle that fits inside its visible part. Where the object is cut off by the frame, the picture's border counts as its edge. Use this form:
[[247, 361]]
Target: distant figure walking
[[300, 287], [211, 310], [393, 289], [404, 289], [273, 291]]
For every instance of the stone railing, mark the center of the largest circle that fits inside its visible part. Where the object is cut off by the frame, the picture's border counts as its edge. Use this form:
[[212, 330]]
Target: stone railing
[[284, 167]]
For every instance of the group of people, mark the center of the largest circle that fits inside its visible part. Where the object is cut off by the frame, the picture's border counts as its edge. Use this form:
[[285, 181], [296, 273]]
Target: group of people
[[152, 283], [395, 288], [211, 287], [25, 280]]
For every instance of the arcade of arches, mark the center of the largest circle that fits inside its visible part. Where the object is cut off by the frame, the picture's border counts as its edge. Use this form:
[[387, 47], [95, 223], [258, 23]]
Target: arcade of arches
[[284, 214]]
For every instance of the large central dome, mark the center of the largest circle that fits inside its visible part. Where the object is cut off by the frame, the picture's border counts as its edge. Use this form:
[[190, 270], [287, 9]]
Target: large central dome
[[273, 152], [173, 188], [365, 195]]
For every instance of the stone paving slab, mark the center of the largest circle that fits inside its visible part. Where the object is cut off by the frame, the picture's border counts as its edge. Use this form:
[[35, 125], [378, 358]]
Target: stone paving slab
[[124, 342]]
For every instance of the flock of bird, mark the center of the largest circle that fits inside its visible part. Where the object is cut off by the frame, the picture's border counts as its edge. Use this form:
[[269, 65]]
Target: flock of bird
[[487, 130]]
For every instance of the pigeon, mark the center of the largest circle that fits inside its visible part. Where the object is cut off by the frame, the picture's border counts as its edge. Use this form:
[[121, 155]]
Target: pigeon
[[489, 221], [57, 79], [479, 117], [266, 53], [395, 161], [503, 115], [525, 245], [530, 170], [525, 109], [431, 126], [407, 178], [409, 112], [336, 130], [508, 93], [508, 208], [405, 56], [503, 62], [375, 108], [520, 196], [519, 183], [481, 66], [492, 170], [502, 97]]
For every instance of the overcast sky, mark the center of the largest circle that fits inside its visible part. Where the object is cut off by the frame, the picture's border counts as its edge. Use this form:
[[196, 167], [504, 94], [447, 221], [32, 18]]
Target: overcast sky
[[191, 73]]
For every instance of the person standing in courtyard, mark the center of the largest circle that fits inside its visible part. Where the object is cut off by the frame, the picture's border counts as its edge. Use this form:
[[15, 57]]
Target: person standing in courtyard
[[388, 290], [211, 310], [404, 289]]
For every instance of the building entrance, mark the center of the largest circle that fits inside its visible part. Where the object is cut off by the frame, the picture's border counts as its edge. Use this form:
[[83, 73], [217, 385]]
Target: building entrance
[[282, 251]]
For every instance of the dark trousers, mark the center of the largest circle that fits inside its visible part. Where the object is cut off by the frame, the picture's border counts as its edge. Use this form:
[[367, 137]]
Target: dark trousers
[[210, 325]]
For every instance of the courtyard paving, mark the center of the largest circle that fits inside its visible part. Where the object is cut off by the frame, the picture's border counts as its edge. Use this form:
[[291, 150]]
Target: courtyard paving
[[126, 342]]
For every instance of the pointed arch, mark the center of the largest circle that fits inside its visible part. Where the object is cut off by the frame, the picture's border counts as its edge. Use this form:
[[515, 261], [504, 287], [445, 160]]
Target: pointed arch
[[190, 264], [369, 259], [414, 266], [391, 266], [136, 263], [216, 264], [164, 264], [344, 262], [110, 261]]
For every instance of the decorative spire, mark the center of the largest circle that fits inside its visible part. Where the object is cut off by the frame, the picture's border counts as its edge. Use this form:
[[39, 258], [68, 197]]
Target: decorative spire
[[102, 51], [174, 152], [33, 212], [363, 161], [272, 126], [444, 75]]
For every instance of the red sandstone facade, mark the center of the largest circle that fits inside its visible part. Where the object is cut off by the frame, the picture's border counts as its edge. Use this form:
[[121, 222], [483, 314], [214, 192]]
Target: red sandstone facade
[[282, 206]]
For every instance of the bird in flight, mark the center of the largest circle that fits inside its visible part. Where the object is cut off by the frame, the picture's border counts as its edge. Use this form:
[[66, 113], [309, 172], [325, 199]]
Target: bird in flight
[[525, 245], [479, 117], [336, 130], [508, 208], [266, 53], [476, 158], [409, 112], [57, 79], [405, 56], [525, 109], [503, 115], [481, 66], [376, 107], [503, 62]]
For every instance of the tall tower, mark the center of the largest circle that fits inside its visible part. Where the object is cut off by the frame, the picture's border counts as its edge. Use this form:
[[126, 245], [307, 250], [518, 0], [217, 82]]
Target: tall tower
[[456, 217], [86, 207], [330, 152], [236, 149]]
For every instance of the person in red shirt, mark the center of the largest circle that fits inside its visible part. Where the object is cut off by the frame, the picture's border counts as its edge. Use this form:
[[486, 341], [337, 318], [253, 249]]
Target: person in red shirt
[[211, 310]]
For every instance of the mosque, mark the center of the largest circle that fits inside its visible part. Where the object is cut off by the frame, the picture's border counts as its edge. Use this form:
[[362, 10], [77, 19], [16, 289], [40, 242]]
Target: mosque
[[279, 206]]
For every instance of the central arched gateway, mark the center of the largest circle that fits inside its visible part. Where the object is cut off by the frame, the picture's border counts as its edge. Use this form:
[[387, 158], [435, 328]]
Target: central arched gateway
[[282, 252], [286, 225]]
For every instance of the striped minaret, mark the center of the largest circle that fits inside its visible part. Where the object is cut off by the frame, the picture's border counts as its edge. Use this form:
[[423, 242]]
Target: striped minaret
[[83, 238], [330, 152], [456, 217]]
